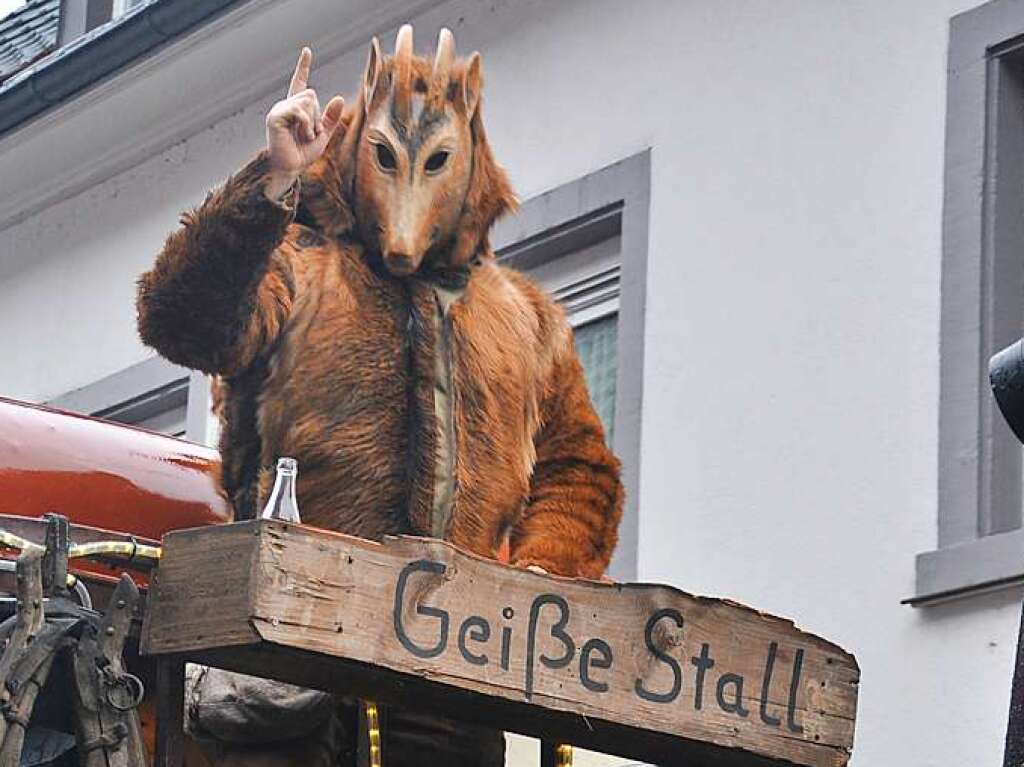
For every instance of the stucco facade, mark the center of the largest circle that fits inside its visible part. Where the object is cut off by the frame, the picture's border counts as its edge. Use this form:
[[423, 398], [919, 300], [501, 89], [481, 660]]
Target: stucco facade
[[790, 385]]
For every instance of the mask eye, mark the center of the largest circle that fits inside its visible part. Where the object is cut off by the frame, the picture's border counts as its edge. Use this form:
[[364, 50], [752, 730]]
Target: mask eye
[[436, 161], [385, 157]]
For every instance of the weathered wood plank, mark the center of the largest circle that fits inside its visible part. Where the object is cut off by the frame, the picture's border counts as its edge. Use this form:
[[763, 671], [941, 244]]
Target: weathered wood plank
[[645, 671], [203, 585]]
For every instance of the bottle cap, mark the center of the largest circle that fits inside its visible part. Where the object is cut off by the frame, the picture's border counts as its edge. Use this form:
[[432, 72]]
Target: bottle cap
[[287, 465]]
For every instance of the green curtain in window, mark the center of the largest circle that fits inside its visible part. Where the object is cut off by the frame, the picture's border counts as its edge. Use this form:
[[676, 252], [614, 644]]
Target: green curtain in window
[[595, 343]]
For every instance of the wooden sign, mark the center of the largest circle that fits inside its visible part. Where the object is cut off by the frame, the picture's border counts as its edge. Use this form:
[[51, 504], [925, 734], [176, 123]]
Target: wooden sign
[[639, 670]]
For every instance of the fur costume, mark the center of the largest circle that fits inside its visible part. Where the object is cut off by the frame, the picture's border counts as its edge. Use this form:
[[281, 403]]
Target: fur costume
[[325, 356]]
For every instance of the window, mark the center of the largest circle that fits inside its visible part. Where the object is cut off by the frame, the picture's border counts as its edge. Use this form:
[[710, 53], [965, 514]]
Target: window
[[586, 242], [980, 541], [154, 395], [77, 17], [122, 7]]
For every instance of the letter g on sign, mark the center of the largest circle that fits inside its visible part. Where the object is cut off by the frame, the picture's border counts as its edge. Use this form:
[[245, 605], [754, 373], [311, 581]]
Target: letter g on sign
[[419, 566]]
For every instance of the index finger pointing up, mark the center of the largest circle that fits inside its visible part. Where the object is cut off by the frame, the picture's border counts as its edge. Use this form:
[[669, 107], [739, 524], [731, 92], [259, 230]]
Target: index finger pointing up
[[301, 75]]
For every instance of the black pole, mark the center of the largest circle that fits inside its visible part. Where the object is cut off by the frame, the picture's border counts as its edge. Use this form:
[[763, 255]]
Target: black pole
[[548, 754], [1013, 756]]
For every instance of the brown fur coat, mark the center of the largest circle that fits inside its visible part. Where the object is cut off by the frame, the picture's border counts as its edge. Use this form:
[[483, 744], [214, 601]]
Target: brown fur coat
[[449, 403]]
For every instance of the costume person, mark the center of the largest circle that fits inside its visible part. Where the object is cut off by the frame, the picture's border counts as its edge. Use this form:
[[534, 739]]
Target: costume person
[[342, 287]]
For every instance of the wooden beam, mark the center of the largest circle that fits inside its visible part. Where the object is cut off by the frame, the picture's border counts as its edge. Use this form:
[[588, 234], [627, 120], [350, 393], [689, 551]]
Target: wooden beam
[[643, 671]]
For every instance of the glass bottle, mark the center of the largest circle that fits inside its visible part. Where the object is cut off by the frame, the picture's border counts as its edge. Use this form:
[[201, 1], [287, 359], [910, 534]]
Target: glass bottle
[[282, 503]]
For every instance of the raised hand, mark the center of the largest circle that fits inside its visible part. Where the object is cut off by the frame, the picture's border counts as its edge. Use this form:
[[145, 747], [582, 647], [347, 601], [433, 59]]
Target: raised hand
[[297, 131]]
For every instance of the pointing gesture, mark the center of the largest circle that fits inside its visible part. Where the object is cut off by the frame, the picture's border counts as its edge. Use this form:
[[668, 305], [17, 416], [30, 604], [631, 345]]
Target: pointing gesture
[[300, 77], [297, 131]]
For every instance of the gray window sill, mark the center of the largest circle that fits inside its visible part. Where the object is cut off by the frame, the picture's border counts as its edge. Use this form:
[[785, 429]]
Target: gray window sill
[[982, 565], [143, 390]]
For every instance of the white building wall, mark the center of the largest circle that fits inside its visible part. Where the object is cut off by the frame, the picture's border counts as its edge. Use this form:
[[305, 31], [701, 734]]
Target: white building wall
[[791, 380]]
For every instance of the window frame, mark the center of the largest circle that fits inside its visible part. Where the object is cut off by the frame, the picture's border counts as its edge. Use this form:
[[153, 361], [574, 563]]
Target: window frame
[[979, 483], [119, 8], [143, 390], [611, 201]]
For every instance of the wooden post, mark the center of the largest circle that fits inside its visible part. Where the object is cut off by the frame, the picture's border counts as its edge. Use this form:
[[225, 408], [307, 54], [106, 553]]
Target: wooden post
[[548, 753], [170, 712]]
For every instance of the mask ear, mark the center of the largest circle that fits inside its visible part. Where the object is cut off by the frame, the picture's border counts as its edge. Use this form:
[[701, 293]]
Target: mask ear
[[490, 194], [372, 74], [472, 83]]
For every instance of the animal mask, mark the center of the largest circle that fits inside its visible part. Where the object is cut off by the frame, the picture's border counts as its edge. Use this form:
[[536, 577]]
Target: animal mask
[[410, 171]]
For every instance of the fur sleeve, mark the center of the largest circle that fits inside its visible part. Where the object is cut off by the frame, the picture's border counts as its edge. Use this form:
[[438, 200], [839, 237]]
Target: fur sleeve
[[220, 289], [570, 523]]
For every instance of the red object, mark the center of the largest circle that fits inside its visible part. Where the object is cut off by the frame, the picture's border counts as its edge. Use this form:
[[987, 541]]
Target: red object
[[104, 474]]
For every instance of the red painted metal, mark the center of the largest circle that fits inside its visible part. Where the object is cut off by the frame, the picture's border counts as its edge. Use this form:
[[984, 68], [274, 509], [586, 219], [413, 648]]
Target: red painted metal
[[104, 474]]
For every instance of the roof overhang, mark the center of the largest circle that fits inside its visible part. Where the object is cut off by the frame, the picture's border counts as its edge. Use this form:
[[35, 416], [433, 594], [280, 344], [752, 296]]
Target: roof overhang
[[164, 81]]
